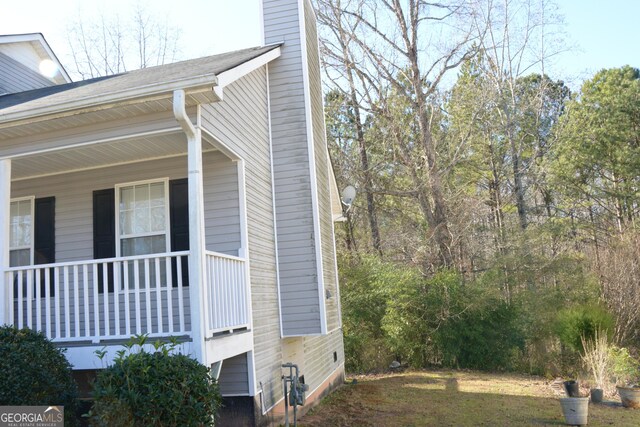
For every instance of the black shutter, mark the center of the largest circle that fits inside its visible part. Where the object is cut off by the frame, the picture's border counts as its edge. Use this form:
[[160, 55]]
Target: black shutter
[[44, 238], [104, 232], [179, 223]]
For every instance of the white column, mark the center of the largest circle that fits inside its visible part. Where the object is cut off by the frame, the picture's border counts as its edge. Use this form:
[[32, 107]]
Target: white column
[[5, 207], [244, 238], [197, 271]]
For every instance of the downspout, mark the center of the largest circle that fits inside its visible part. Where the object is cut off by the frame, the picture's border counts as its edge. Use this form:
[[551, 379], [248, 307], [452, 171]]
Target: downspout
[[197, 264]]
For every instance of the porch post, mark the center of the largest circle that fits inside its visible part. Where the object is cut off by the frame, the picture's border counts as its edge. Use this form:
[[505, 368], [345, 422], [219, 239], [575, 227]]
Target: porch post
[[197, 270], [5, 207], [197, 264]]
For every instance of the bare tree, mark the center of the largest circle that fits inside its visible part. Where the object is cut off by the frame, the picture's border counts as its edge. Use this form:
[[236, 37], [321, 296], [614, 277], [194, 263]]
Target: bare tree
[[405, 48], [111, 44], [619, 272], [338, 57], [522, 35]]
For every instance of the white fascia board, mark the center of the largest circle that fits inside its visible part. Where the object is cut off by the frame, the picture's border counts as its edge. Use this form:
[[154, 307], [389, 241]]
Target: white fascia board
[[273, 199], [135, 95], [227, 77], [54, 58]]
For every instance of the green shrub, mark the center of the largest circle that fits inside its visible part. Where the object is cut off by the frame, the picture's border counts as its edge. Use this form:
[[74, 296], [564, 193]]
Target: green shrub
[[487, 336], [624, 367], [154, 389], [582, 321], [34, 372], [415, 307], [363, 289]]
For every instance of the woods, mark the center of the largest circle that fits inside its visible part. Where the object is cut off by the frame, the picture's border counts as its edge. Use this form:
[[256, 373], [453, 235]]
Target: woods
[[496, 222]]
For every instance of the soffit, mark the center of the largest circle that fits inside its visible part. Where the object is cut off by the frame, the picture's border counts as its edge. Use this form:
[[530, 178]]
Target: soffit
[[133, 150]]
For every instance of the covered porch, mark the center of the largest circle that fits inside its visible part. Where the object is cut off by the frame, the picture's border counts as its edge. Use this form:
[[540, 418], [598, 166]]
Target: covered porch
[[176, 261]]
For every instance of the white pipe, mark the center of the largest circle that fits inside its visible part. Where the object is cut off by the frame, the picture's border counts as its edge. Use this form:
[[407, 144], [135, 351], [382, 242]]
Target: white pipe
[[180, 113]]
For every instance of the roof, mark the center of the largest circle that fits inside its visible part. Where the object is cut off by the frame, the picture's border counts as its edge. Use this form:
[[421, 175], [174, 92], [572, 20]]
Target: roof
[[159, 81]]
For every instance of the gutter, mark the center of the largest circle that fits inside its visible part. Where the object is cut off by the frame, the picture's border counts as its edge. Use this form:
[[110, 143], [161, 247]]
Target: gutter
[[165, 90]]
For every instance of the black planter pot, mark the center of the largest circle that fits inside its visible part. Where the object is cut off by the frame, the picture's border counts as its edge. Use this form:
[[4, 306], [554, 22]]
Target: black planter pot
[[572, 388], [596, 395]]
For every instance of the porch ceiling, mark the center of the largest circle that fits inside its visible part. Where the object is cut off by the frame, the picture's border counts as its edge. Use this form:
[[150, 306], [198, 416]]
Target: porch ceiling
[[104, 154]]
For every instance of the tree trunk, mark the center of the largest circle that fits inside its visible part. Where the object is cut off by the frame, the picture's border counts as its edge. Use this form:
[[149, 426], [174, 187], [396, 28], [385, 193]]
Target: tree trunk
[[364, 163], [439, 223], [518, 187], [362, 143]]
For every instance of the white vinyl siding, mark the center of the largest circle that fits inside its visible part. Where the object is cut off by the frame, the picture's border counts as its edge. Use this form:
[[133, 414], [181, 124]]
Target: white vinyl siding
[[73, 192], [240, 122], [16, 77]]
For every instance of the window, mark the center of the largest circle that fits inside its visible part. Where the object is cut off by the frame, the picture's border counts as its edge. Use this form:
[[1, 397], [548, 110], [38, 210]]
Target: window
[[143, 228], [21, 232], [143, 218]]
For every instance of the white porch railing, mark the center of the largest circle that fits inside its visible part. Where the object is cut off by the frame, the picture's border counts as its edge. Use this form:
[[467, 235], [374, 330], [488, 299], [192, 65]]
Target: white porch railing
[[115, 298], [228, 306], [95, 300]]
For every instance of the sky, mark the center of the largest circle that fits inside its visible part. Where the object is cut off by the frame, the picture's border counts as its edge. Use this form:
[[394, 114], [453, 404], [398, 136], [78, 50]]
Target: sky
[[601, 34]]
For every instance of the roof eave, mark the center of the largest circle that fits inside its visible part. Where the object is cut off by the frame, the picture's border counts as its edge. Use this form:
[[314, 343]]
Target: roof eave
[[229, 76], [205, 85]]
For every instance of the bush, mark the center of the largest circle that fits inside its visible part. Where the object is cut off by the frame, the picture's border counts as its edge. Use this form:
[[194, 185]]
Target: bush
[[418, 307], [582, 321], [485, 337], [363, 285], [154, 389], [34, 372], [393, 312], [624, 367]]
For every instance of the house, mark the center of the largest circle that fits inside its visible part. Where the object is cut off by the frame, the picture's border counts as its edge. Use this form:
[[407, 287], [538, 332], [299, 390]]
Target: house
[[192, 200]]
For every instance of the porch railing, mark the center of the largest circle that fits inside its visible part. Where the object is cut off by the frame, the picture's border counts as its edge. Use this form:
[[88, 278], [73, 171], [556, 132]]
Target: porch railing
[[95, 300], [115, 298], [228, 293]]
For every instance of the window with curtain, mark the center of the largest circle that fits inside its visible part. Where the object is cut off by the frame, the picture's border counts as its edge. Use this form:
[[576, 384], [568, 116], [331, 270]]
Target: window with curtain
[[21, 229], [143, 227], [143, 219]]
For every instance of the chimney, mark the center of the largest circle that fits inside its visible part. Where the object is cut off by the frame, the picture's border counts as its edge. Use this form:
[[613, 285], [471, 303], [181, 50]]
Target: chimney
[[306, 251]]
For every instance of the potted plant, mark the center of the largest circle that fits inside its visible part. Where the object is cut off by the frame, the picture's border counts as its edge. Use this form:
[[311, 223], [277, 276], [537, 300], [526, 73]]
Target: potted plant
[[627, 373], [596, 358]]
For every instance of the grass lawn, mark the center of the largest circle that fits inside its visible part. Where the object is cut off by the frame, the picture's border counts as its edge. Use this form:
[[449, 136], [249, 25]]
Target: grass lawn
[[454, 398]]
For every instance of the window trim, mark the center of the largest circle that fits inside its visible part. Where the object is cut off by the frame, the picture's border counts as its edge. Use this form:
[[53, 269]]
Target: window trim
[[31, 248], [167, 228]]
